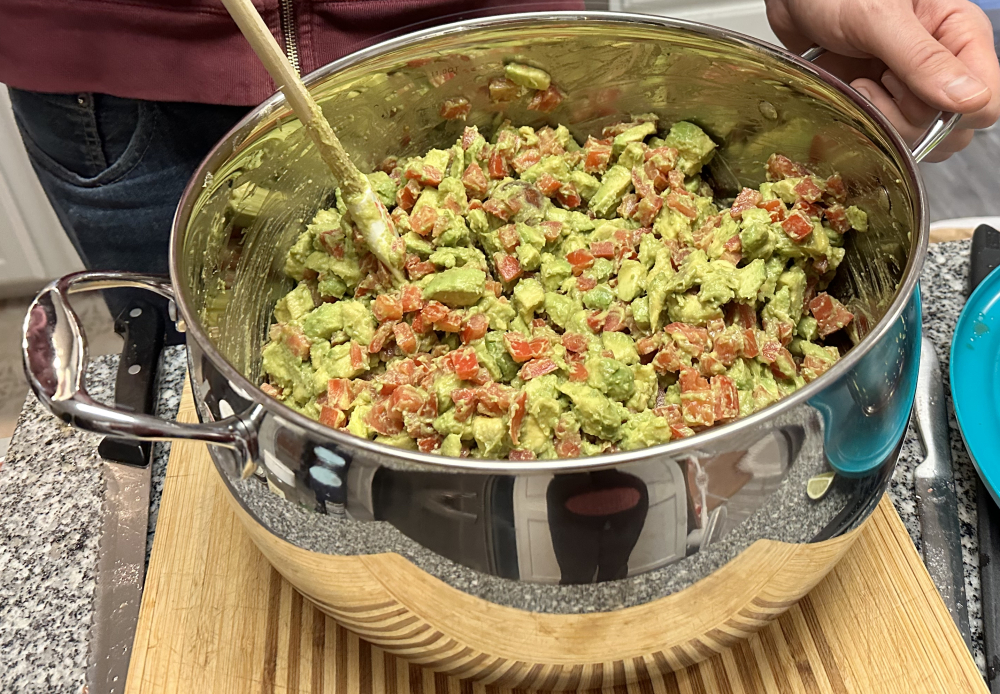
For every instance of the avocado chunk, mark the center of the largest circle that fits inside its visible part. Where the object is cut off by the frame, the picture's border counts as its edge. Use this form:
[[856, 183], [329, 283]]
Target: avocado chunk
[[456, 287], [527, 76]]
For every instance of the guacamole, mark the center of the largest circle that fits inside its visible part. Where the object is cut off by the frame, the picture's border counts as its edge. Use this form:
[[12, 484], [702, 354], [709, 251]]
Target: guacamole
[[562, 299]]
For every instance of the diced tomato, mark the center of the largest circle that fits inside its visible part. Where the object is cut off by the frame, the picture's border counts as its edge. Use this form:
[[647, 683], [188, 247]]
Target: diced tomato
[[769, 351], [475, 327], [678, 427], [408, 194], [450, 323], [596, 320], [682, 204], [577, 372], [585, 284], [494, 287], [379, 419], [598, 155], [775, 207], [575, 342], [726, 347], [747, 199], [423, 220], [508, 237], [667, 360], [813, 366], [469, 136], [526, 159], [338, 393], [749, 348], [552, 230], [675, 180], [615, 321], [419, 269], [628, 206], [498, 164], [332, 417], [547, 142], [386, 307], [797, 226], [296, 341], [546, 101], [465, 362], [411, 298], [648, 345], [475, 180], [663, 159], [517, 409], [429, 444], [494, 399], [705, 234], [381, 336], [536, 368], [568, 196], [779, 167], [580, 260], [427, 175], [465, 400], [405, 398], [603, 249], [521, 454], [829, 313], [497, 208], [434, 311], [569, 447], [454, 109], [647, 210], [784, 365], [837, 216], [405, 338], [727, 398], [503, 89], [809, 209], [522, 349], [807, 190], [273, 391], [836, 188], [507, 266], [689, 339], [358, 360], [548, 184]]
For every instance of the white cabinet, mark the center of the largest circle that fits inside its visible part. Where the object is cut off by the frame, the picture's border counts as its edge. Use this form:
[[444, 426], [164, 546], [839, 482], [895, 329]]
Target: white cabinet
[[745, 16], [33, 247]]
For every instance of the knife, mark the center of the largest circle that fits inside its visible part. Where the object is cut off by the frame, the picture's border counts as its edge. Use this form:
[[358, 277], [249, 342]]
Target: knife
[[984, 258], [121, 552], [937, 505]]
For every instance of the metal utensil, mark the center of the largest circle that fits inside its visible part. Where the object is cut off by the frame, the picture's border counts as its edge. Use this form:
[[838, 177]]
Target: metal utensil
[[937, 504], [121, 552]]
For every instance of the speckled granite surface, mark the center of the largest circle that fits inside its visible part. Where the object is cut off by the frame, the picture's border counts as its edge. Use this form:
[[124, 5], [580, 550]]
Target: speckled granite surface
[[50, 501]]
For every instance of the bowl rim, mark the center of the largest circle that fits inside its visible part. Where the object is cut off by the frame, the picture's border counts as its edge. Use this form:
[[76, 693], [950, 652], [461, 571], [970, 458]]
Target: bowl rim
[[675, 449]]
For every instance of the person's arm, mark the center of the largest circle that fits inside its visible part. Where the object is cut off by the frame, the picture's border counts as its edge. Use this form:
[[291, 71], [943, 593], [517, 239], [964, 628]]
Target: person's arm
[[910, 58]]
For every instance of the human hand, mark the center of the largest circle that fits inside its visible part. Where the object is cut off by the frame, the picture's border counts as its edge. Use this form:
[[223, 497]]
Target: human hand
[[910, 58]]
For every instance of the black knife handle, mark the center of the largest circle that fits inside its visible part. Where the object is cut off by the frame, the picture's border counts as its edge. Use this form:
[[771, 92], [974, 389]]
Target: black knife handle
[[984, 256], [983, 259], [141, 325]]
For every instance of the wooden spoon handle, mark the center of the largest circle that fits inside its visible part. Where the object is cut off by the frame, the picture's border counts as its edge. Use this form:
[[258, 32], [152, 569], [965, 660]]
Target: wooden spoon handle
[[305, 107]]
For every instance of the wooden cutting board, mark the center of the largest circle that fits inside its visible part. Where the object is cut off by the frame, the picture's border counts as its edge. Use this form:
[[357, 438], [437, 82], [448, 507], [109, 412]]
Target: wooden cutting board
[[216, 617]]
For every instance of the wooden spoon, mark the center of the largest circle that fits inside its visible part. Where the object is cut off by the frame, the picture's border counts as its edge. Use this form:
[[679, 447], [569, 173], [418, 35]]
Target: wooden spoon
[[366, 209]]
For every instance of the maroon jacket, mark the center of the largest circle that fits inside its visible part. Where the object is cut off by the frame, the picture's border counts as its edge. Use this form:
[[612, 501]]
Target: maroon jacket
[[190, 50]]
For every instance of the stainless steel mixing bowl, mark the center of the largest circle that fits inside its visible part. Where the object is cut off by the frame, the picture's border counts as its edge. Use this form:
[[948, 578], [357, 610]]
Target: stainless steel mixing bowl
[[505, 523]]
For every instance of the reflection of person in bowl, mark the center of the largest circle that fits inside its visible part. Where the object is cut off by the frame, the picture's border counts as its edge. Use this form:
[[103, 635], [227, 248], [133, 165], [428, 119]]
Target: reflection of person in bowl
[[119, 102]]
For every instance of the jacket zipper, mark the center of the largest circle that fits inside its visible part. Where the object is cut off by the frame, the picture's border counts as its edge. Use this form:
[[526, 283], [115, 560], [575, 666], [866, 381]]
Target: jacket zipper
[[287, 21]]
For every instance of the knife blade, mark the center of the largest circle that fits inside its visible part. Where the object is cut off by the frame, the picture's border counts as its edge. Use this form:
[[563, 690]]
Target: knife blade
[[937, 504], [121, 554]]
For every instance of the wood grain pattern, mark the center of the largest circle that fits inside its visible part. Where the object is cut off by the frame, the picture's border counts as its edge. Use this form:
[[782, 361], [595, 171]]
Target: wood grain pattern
[[216, 617]]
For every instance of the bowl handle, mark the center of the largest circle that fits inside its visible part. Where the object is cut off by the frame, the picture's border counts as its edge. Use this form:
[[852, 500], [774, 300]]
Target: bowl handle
[[937, 131], [54, 348]]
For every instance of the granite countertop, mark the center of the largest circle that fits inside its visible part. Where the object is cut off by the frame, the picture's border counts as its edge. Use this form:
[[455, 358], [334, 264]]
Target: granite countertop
[[50, 496]]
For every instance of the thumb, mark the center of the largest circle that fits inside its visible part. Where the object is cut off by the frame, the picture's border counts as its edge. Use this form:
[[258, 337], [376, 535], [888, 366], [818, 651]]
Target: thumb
[[929, 69]]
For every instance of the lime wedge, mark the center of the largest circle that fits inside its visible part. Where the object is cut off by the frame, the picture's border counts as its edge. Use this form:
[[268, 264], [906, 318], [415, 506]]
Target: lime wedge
[[818, 486]]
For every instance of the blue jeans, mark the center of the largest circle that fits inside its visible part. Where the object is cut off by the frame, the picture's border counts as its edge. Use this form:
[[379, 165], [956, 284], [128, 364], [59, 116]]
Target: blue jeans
[[114, 170]]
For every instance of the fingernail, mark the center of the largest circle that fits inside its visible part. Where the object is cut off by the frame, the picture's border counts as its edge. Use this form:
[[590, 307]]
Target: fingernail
[[864, 92], [892, 84], [964, 88]]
